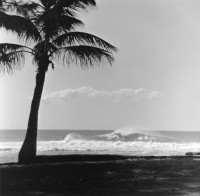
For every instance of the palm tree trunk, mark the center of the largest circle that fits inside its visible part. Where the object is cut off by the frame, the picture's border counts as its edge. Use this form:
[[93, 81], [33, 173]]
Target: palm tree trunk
[[28, 150]]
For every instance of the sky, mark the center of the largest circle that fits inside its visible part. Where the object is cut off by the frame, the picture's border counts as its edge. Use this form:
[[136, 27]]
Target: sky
[[153, 84]]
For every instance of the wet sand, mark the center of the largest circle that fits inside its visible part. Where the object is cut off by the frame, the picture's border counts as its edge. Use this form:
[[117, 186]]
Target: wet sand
[[102, 175]]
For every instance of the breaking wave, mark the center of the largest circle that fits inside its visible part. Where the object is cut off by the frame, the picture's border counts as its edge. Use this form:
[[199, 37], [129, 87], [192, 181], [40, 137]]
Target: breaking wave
[[119, 135], [73, 136], [122, 142]]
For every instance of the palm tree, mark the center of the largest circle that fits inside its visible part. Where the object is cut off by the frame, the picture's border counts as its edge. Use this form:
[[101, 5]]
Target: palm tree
[[50, 26]]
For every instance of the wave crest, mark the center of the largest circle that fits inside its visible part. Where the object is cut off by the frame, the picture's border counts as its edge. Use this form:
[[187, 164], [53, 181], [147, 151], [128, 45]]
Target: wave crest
[[73, 136], [131, 135]]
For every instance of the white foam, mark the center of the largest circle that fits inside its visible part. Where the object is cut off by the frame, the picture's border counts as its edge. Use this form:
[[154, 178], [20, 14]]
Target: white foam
[[119, 147], [10, 146], [125, 131], [75, 143], [73, 136]]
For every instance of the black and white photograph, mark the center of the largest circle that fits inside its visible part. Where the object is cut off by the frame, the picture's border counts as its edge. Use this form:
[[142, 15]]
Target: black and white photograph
[[100, 97]]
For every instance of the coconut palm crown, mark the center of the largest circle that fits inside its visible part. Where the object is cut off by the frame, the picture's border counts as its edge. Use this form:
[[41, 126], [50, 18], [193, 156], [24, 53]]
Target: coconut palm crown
[[50, 26]]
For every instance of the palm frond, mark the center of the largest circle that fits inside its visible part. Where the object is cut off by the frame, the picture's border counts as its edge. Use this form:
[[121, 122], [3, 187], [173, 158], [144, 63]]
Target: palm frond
[[12, 57], [73, 4], [84, 55], [23, 27], [8, 47], [68, 23], [26, 9], [55, 24], [58, 23], [64, 24], [74, 38], [48, 3], [11, 61], [76, 4]]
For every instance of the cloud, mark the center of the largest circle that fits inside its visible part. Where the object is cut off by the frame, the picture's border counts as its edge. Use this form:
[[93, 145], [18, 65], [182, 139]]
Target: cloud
[[116, 96]]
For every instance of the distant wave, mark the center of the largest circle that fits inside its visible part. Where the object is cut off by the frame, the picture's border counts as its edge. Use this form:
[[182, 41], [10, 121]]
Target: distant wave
[[119, 135], [73, 136], [131, 142]]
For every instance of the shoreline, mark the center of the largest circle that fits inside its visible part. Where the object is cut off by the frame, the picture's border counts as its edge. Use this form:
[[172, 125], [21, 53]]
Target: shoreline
[[100, 157]]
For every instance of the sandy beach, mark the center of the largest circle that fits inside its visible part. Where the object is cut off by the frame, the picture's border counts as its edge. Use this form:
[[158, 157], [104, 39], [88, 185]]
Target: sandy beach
[[102, 175]]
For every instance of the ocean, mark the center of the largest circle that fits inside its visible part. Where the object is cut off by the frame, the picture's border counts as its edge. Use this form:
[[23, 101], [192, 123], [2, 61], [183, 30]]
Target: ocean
[[121, 141]]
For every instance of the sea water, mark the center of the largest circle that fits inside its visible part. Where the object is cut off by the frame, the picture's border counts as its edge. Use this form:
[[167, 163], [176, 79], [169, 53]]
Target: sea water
[[121, 141]]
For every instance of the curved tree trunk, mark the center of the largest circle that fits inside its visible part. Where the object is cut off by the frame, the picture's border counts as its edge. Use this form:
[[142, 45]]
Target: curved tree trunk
[[29, 147]]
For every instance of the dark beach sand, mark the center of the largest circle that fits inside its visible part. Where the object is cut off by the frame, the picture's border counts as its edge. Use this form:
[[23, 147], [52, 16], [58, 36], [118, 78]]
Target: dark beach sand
[[102, 175]]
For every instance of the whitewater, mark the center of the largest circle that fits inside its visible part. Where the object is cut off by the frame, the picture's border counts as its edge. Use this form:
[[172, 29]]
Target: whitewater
[[121, 142]]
